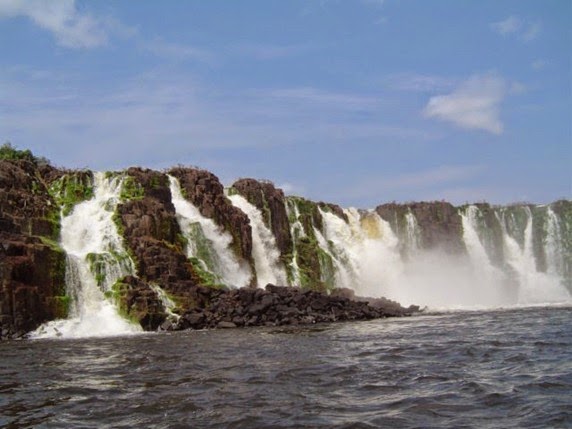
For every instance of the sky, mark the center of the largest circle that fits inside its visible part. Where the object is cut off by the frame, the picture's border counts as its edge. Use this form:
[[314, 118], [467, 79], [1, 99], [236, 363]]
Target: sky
[[355, 102]]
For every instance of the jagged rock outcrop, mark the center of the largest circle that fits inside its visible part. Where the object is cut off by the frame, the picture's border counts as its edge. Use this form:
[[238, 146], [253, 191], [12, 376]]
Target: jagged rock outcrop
[[204, 190], [32, 266], [147, 221], [439, 223]]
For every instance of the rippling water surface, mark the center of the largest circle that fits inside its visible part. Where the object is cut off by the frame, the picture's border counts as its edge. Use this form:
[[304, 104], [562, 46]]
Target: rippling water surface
[[510, 368]]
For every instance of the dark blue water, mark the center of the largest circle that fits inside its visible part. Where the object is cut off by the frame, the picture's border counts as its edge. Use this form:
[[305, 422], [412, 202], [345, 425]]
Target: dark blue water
[[495, 369]]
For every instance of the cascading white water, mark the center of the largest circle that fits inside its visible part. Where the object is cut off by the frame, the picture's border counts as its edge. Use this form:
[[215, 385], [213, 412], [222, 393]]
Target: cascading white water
[[266, 255], [365, 251], [296, 232], [168, 304], [208, 242], [534, 287], [553, 247], [96, 259], [412, 234], [491, 280]]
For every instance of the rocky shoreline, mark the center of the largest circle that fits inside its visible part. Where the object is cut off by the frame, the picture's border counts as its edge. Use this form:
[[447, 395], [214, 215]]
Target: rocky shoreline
[[283, 305]]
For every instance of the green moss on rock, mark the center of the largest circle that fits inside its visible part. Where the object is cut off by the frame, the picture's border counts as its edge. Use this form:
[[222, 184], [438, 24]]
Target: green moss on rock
[[72, 188]]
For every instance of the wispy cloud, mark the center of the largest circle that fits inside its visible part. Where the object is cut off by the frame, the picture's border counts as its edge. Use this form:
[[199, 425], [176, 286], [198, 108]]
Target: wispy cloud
[[264, 51], [378, 3], [170, 116], [70, 27], [418, 82], [178, 51], [531, 32], [518, 27], [539, 64], [510, 25], [328, 98], [444, 174], [475, 104]]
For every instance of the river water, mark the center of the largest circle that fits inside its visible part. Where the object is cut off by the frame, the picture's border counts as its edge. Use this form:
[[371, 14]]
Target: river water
[[486, 369]]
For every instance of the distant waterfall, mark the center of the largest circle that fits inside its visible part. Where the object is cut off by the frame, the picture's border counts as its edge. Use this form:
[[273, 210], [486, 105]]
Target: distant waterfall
[[492, 289], [412, 235], [296, 231], [499, 268], [534, 286], [266, 255], [96, 260], [208, 242]]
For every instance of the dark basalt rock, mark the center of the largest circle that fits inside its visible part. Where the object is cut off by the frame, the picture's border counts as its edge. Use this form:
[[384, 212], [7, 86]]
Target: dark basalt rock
[[280, 305], [152, 235]]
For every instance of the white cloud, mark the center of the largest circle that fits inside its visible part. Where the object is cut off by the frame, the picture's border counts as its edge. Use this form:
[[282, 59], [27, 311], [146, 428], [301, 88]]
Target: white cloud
[[70, 27], [520, 28], [475, 104]]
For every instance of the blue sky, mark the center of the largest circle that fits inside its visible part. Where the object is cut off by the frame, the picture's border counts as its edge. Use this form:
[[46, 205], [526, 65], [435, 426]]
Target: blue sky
[[354, 102]]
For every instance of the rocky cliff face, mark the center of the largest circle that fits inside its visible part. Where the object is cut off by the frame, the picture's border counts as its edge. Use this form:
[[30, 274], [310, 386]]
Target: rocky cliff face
[[309, 238], [32, 266]]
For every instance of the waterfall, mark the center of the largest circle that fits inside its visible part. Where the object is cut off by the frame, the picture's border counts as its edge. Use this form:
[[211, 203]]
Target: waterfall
[[534, 287], [208, 242], [492, 281], [365, 250], [296, 231], [554, 249], [412, 235], [266, 255], [168, 304], [96, 259]]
